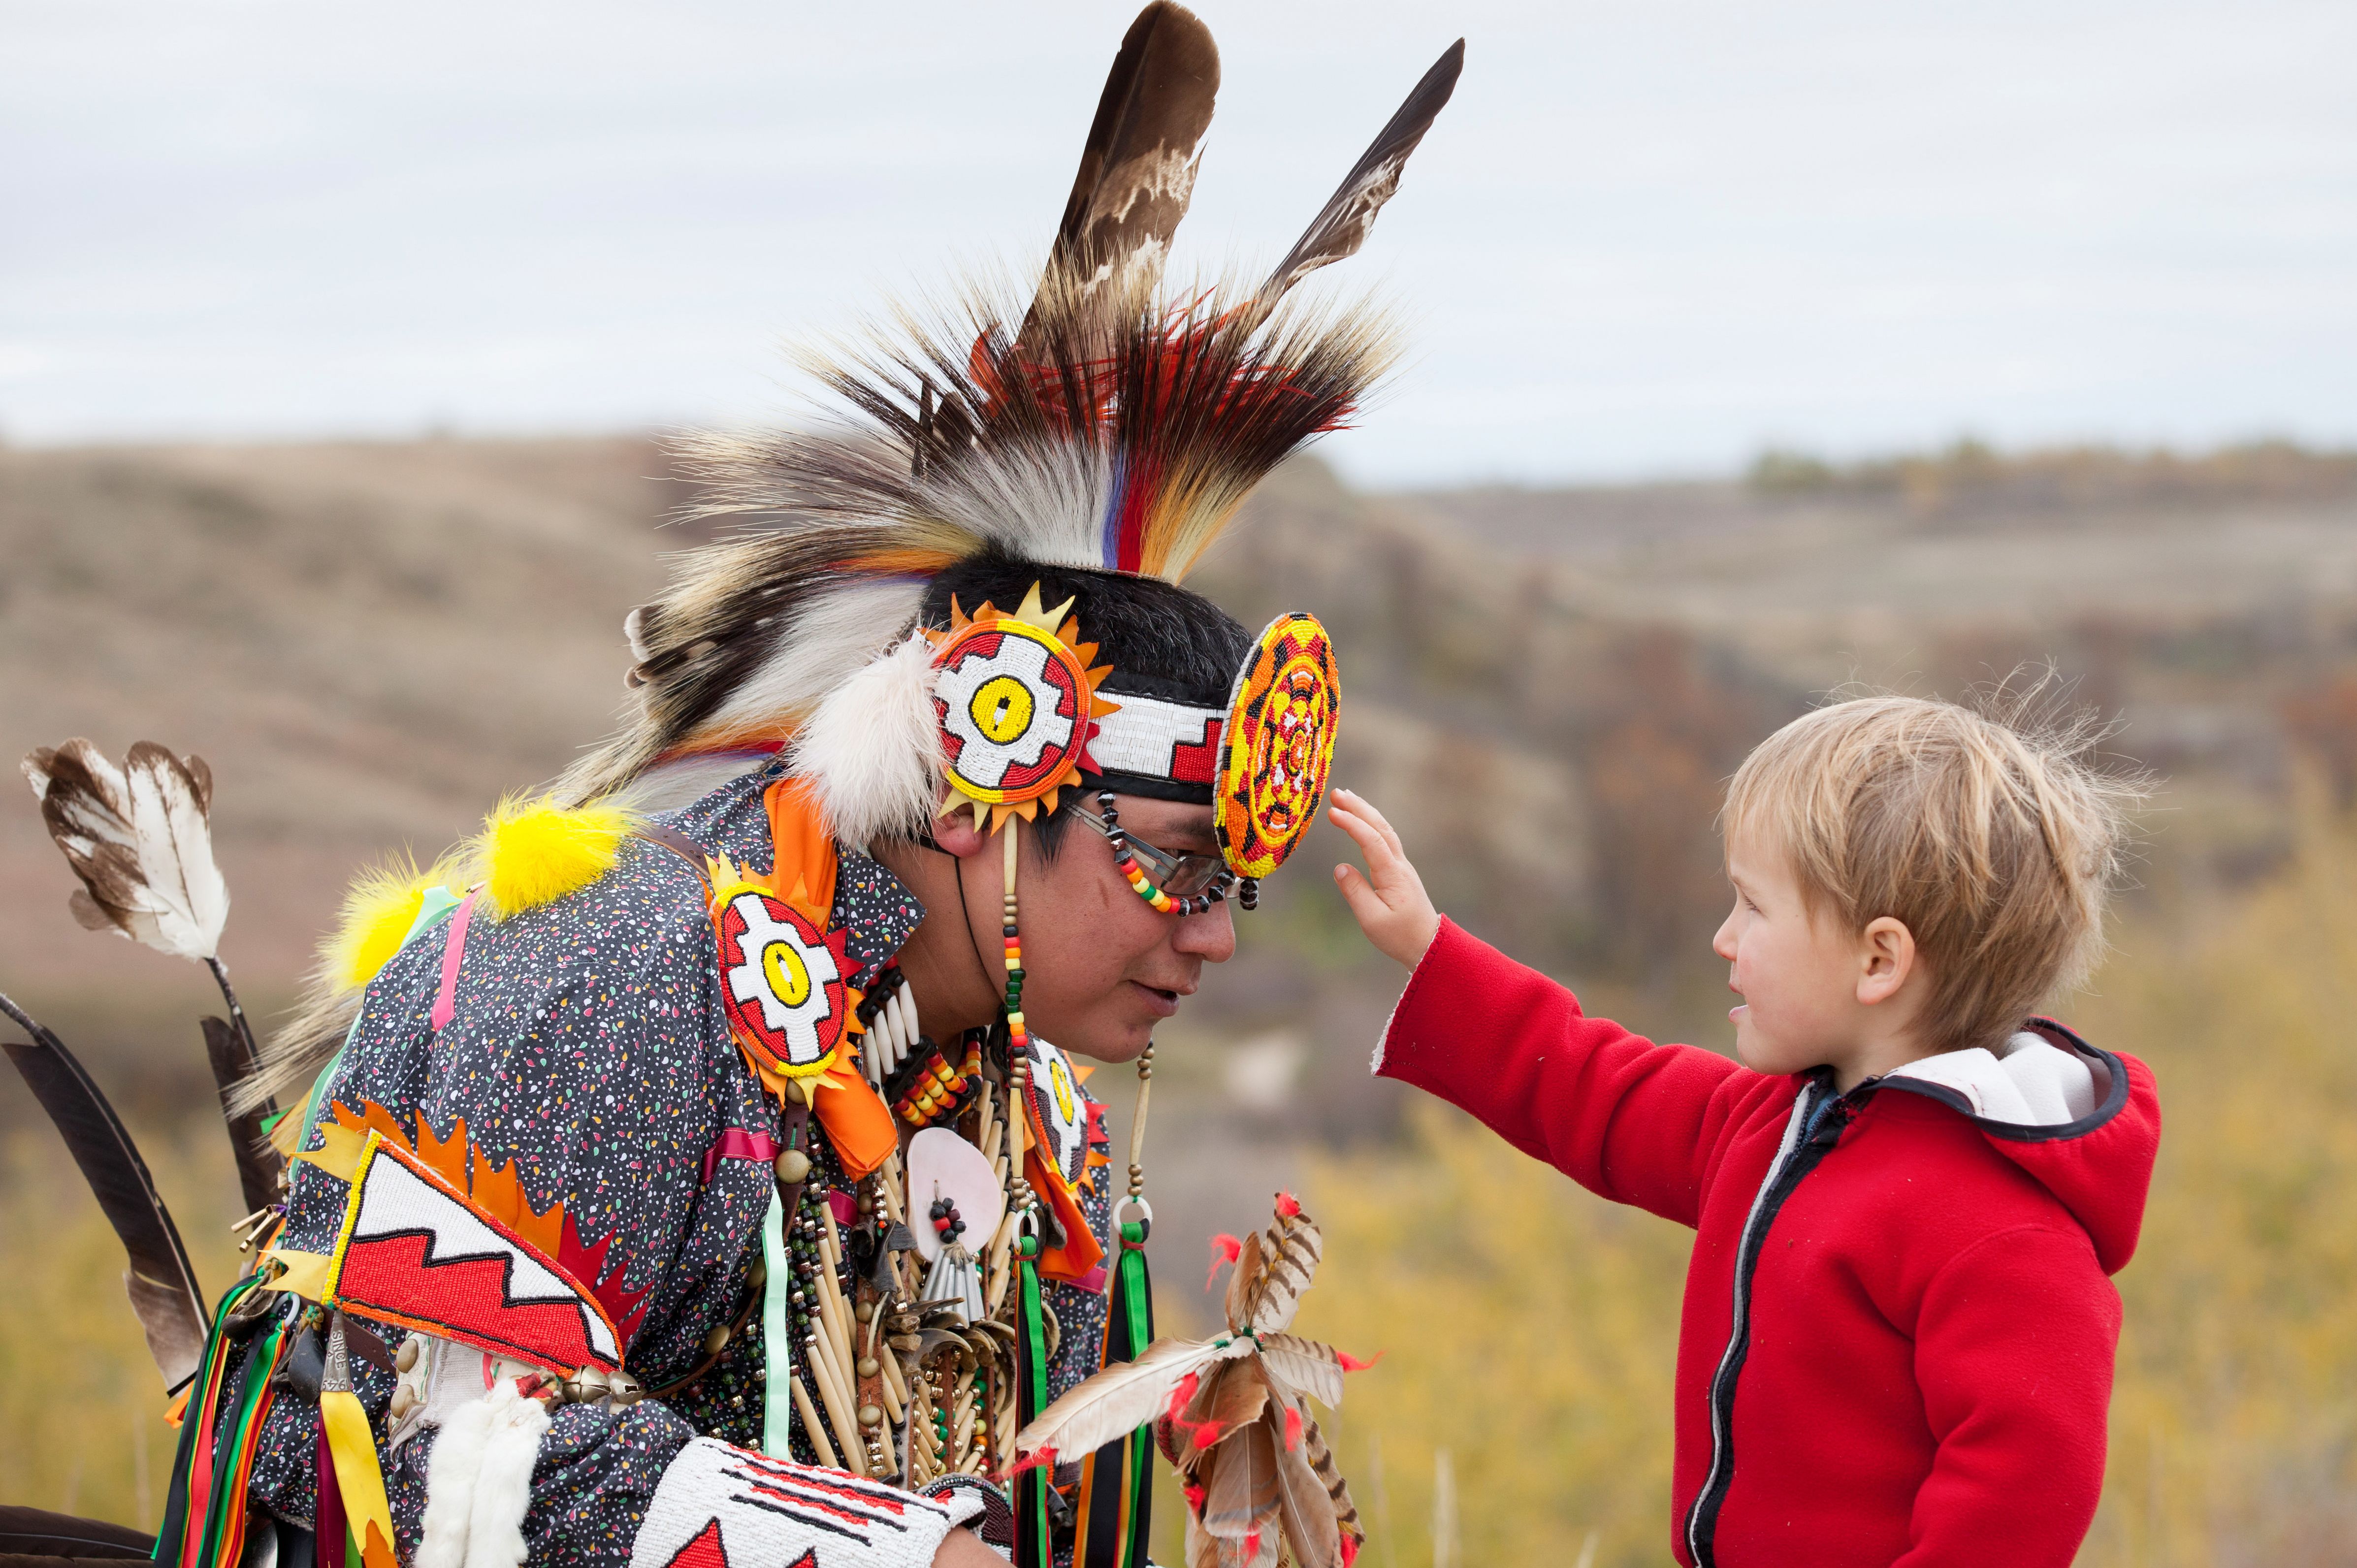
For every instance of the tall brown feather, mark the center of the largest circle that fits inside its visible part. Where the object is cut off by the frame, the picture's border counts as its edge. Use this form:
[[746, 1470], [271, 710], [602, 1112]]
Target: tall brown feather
[[1137, 168], [1341, 225], [162, 1285]]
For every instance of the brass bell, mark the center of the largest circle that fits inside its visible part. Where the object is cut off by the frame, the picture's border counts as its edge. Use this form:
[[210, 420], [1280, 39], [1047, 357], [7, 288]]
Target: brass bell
[[588, 1385], [793, 1166], [626, 1389]]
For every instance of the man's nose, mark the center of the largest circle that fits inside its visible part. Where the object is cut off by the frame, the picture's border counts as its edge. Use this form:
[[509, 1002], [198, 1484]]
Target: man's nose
[[1209, 934]]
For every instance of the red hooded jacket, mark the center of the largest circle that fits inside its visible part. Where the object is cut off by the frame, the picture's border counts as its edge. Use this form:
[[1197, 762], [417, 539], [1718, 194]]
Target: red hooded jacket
[[1899, 1332]]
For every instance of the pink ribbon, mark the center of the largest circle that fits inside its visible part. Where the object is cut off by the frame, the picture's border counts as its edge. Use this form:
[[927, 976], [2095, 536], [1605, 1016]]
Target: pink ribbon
[[453, 945], [738, 1143]]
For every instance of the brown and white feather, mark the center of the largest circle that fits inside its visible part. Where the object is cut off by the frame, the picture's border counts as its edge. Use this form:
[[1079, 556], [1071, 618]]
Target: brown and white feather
[[1342, 224]]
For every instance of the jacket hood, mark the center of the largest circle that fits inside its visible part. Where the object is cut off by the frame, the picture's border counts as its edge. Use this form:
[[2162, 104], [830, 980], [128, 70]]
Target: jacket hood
[[2085, 1123]]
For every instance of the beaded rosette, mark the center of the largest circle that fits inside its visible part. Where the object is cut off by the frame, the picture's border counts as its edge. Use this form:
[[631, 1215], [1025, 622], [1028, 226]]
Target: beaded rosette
[[1277, 747], [783, 979], [1018, 701]]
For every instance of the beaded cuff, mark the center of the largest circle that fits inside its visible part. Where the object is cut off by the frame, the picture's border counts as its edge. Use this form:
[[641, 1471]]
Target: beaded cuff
[[719, 1507]]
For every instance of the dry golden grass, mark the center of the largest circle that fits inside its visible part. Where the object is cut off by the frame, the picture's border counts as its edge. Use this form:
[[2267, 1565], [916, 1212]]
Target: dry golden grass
[[82, 1427]]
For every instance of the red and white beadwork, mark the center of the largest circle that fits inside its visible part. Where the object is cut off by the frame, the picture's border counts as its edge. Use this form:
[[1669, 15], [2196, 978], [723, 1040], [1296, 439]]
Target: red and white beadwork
[[1160, 739], [781, 982], [719, 1507], [1013, 704]]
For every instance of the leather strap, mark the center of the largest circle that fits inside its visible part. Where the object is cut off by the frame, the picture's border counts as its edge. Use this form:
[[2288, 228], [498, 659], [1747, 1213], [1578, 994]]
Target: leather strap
[[678, 842]]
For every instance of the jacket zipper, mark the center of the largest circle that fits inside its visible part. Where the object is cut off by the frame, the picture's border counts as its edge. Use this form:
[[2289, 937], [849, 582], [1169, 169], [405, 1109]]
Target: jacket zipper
[[1817, 1124]]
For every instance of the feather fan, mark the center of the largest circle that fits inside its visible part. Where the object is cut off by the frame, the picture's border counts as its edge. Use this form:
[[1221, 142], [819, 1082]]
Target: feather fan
[[162, 1286], [1233, 1415], [140, 837]]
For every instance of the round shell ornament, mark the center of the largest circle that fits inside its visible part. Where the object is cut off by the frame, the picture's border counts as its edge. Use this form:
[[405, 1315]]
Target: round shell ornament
[[782, 983], [1018, 703], [1277, 746], [942, 1164], [1059, 1112]]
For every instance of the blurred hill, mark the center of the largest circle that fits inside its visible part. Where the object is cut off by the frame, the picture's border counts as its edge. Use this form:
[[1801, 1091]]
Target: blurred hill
[[371, 642]]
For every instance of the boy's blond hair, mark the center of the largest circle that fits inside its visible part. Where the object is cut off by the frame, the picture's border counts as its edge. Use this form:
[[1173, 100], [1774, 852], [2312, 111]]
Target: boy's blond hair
[[1993, 840]]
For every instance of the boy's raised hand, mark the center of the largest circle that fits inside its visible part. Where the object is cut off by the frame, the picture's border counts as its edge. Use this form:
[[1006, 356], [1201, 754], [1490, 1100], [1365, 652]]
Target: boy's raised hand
[[1388, 897]]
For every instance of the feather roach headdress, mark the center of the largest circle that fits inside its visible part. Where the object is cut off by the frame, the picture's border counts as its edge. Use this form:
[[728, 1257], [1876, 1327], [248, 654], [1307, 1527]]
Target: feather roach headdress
[[1079, 444], [1101, 425]]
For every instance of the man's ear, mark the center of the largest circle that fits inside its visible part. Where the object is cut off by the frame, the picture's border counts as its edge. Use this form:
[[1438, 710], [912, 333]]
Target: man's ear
[[956, 833], [1888, 958]]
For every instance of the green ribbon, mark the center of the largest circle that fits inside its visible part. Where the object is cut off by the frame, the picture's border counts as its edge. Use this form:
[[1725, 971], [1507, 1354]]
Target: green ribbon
[[1137, 1299], [777, 1341], [1033, 1546], [197, 1423]]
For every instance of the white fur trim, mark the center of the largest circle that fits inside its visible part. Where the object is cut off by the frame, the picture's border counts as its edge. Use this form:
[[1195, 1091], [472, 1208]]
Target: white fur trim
[[831, 638], [478, 1482], [450, 1472], [872, 750], [503, 1489], [769, 1512]]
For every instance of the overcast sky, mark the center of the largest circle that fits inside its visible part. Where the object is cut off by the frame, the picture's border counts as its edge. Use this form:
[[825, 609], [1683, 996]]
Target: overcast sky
[[1646, 238]]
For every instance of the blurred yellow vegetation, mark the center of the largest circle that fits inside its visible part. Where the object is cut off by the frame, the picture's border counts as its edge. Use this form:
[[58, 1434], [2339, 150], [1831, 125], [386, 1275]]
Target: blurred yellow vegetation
[[1529, 1329], [81, 1406]]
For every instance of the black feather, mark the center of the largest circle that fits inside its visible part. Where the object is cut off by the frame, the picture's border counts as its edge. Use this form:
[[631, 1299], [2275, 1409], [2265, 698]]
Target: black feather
[[1341, 226], [1137, 167], [162, 1285], [258, 1163]]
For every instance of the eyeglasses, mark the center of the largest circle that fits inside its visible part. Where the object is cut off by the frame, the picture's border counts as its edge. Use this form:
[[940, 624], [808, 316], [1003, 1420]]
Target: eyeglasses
[[1179, 875]]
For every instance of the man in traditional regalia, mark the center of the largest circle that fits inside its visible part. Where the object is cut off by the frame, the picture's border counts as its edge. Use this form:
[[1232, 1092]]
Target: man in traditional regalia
[[681, 1172]]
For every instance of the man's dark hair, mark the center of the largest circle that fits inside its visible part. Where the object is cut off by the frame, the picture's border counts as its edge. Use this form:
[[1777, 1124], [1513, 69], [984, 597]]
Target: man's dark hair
[[1161, 639]]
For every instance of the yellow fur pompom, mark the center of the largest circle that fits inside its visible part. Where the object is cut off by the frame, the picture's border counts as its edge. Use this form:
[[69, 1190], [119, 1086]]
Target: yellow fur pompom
[[534, 853], [378, 912]]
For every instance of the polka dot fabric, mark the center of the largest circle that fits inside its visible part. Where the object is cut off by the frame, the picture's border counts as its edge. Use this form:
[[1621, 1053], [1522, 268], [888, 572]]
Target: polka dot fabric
[[589, 1045]]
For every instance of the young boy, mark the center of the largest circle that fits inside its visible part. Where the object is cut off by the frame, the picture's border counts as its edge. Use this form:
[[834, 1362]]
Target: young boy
[[1908, 1192]]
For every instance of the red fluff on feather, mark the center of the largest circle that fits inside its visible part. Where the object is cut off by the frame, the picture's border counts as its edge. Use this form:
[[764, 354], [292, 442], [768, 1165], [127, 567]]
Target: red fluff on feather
[[1225, 1249]]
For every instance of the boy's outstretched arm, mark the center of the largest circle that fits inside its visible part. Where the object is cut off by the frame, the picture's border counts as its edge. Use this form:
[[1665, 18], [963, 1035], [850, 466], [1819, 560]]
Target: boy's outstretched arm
[[1626, 1119]]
